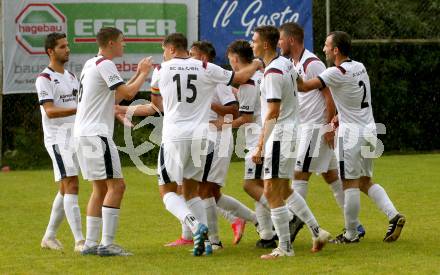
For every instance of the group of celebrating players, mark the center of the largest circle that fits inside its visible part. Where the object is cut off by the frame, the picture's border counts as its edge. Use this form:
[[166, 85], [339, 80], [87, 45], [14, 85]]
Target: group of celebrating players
[[296, 117]]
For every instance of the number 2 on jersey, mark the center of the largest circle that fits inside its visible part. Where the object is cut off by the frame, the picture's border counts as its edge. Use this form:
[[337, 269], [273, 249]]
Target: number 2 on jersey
[[189, 85], [364, 104]]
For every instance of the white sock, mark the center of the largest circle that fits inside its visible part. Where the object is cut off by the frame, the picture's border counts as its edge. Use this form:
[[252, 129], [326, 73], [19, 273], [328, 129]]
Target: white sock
[[186, 231], [280, 219], [298, 205], [73, 215], [352, 207], [383, 202], [238, 209], [110, 219], [197, 208], [176, 205], [56, 217], [226, 214], [93, 225], [211, 215], [264, 221], [338, 192], [263, 201], [301, 187]]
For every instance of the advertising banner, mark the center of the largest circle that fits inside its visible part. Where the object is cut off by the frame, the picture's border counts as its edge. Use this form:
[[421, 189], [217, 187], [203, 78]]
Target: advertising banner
[[222, 22], [143, 22]]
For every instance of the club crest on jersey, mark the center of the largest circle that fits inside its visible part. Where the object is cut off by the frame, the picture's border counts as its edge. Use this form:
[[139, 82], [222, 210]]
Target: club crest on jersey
[[113, 78], [43, 93]]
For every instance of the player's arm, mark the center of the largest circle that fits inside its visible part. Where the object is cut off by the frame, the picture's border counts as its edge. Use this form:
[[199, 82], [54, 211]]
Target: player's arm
[[242, 76], [228, 108], [309, 85], [134, 77], [273, 112], [53, 111], [129, 90]]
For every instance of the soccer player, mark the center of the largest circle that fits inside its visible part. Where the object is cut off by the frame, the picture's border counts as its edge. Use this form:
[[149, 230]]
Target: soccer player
[[57, 89], [350, 86], [187, 87], [316, 110], [240, 55], [277, 139], [219, 155], [100, 87]]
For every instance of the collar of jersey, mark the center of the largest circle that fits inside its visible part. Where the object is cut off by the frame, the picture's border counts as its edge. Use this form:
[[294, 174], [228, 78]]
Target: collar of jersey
[[272, 60]]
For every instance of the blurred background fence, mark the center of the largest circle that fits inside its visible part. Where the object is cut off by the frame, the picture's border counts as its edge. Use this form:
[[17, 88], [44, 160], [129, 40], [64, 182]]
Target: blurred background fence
[[398, 41]]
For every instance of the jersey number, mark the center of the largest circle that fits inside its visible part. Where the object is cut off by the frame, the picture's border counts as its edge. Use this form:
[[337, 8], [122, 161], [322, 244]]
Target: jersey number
[[80, 93], [189, 86], [364, 104]]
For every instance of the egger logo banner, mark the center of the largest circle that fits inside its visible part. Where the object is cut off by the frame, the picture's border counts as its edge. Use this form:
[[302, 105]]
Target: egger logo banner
[[144, 23]]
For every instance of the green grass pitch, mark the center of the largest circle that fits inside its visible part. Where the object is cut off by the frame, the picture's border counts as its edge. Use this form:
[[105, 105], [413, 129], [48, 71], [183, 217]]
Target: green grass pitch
[[412, 182]]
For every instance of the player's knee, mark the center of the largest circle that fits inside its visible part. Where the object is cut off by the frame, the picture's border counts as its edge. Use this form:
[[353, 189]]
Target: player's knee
[[71, 185], [330, 176], [301, 175]]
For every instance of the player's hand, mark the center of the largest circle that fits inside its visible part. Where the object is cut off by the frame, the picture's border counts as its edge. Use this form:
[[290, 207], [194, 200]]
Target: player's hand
[[258, 63], [235, 92], [124, 120], [329, 138], [145, 65], [257, 156], [217, 123], [335, 122], [120, 110]]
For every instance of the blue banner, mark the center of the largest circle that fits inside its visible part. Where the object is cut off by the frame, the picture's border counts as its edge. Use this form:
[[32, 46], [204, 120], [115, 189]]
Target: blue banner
[[222, 22]]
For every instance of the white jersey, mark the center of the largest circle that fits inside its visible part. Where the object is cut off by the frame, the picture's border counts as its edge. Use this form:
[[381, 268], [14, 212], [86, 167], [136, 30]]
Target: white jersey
[[350, 86], [223, 96], [61, 89], [187, 87], [311, 104], [96, 99], [279, 85], [249, 97]]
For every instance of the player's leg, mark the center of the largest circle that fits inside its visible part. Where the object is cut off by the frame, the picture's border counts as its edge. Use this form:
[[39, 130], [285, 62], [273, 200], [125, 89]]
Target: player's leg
[[275, 190], [335, 184], [72, 210], [380, 197], [207, 195], [57, 212], [94, 217], [186, 233]]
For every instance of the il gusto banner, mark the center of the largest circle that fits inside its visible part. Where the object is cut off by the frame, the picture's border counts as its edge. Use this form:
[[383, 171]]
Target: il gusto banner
[[144, 23], [222, 22]]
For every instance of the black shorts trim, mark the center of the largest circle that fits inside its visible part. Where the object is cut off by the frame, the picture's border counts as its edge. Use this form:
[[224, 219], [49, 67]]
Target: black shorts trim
[[307, 160], [107, 158], [231, 103], [273, 100], [208, 163], [276, 150], [59, 160], [163, 169], [258, 170], [341, 158]]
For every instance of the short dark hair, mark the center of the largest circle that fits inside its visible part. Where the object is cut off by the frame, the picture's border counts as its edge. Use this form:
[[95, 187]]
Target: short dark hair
[[269, 34], [107, 34], [207, 48], [51, 40], [178, 40], [243, 49], [342, 41], [294, 30]]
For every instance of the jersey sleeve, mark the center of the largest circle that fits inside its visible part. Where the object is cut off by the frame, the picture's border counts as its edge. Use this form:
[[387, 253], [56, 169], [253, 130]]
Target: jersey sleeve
[[110, 74], [273, 79], [155, 81], [225, 95], [330, 77], [314, 69], [218, 75], [248, 97], [44, 88]]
